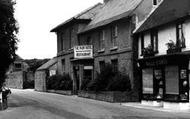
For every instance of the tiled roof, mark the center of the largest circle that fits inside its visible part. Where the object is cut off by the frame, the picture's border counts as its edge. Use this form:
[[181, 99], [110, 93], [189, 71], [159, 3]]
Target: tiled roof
[[168, 11], [87, 14], [48, 64], [111, 11]]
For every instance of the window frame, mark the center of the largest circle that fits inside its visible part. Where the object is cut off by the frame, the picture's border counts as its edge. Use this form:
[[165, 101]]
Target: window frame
[[154, 40], [180, 42], [155, 2], [114, 36], [142, 42], [101, 40]]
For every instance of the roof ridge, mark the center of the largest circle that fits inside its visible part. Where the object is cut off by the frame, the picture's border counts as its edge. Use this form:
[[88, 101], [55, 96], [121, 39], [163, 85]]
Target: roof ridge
[[87, 10]]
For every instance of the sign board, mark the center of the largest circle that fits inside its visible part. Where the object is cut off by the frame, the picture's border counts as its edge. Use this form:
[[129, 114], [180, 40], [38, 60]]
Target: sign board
[[83, 52]]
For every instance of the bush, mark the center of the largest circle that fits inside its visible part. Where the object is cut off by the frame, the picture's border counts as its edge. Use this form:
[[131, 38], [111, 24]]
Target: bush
[[60, 82], [85, 83], [121, 82], [109, 80], [102, 79]]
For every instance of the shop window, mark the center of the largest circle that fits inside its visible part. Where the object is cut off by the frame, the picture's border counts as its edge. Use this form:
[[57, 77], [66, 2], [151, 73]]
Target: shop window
[[154, 40], [180, 35], [115, 64], [102, 65], [114, 35], [147, 78], [101, 40], [172, 80]]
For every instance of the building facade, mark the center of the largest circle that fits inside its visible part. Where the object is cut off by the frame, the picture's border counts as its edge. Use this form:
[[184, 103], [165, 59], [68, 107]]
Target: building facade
[[163, 55], [106, 31]]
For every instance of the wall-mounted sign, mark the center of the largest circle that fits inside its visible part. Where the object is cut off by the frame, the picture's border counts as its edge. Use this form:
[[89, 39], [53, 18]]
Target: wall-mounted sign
[[83, 52]]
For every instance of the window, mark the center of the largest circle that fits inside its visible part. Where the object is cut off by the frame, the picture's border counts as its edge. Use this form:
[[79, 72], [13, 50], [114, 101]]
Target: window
[[101, 40], [180, 35], [154, 40], [102, 65], [18, 66], [63, 65], [115, 64], [142, 42], [89, 40], [155, 2], [70, 38], [114, 35]]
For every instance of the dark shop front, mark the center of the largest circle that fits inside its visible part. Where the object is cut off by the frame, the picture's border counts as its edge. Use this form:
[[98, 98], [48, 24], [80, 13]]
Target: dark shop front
[[165, 78]]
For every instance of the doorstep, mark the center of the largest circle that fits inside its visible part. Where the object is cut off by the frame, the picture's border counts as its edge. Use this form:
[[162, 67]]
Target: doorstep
[[157, 106]]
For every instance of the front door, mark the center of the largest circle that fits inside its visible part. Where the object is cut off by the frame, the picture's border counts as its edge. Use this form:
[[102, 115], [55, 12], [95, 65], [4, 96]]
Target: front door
[[159, 83]]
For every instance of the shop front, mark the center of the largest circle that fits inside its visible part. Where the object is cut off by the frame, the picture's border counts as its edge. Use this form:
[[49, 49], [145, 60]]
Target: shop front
[[165, 79], [83, 66]]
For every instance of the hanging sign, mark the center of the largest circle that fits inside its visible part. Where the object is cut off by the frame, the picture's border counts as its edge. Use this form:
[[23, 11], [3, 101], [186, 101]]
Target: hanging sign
[[83, 52]]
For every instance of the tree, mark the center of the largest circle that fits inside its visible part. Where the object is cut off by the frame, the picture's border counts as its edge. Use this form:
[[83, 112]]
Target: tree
[[8, 39]]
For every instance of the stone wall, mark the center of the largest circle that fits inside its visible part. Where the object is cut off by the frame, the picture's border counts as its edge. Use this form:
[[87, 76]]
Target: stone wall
[[15, 80], [40, 80]]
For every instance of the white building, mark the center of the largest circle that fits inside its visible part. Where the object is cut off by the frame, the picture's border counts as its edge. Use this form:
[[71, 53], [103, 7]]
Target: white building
[[163, 54]]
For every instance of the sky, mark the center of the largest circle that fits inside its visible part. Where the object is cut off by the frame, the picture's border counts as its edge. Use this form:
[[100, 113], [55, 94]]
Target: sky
[[37, 17]]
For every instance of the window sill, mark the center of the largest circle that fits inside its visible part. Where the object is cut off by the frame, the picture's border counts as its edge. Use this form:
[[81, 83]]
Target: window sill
[[114, 48], [71, 49], [101, 51]]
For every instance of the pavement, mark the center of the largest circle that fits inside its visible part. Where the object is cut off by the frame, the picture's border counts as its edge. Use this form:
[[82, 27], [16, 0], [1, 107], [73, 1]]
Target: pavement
[[29, 104]]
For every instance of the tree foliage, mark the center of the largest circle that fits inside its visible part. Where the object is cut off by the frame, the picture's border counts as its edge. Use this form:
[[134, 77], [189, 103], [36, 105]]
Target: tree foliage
[[8, 39]]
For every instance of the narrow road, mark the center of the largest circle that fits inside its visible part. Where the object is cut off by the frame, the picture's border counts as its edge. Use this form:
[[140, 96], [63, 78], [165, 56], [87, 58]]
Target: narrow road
[[28, 104]]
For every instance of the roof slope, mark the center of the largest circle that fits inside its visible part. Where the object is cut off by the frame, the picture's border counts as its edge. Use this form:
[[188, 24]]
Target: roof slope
[[48, 64], [87, 14], [111, 11], [168, 11]]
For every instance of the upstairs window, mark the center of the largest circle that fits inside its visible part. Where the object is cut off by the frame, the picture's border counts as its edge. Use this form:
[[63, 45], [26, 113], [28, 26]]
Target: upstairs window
[[89, 40], [70, 38], [101, 40], [17, 66], [180, 35], [114, 35], [154, 40], [154, 2], [142, 42]]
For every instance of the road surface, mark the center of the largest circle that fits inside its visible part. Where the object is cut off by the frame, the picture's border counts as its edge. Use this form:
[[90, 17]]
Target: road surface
[[28, 104]]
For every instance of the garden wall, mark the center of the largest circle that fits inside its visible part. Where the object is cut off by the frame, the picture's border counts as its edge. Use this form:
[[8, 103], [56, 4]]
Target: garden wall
[[110, 96]]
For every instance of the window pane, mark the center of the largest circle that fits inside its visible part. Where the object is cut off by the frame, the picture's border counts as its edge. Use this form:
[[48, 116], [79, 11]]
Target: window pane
[[147, 75], [172, 82]]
